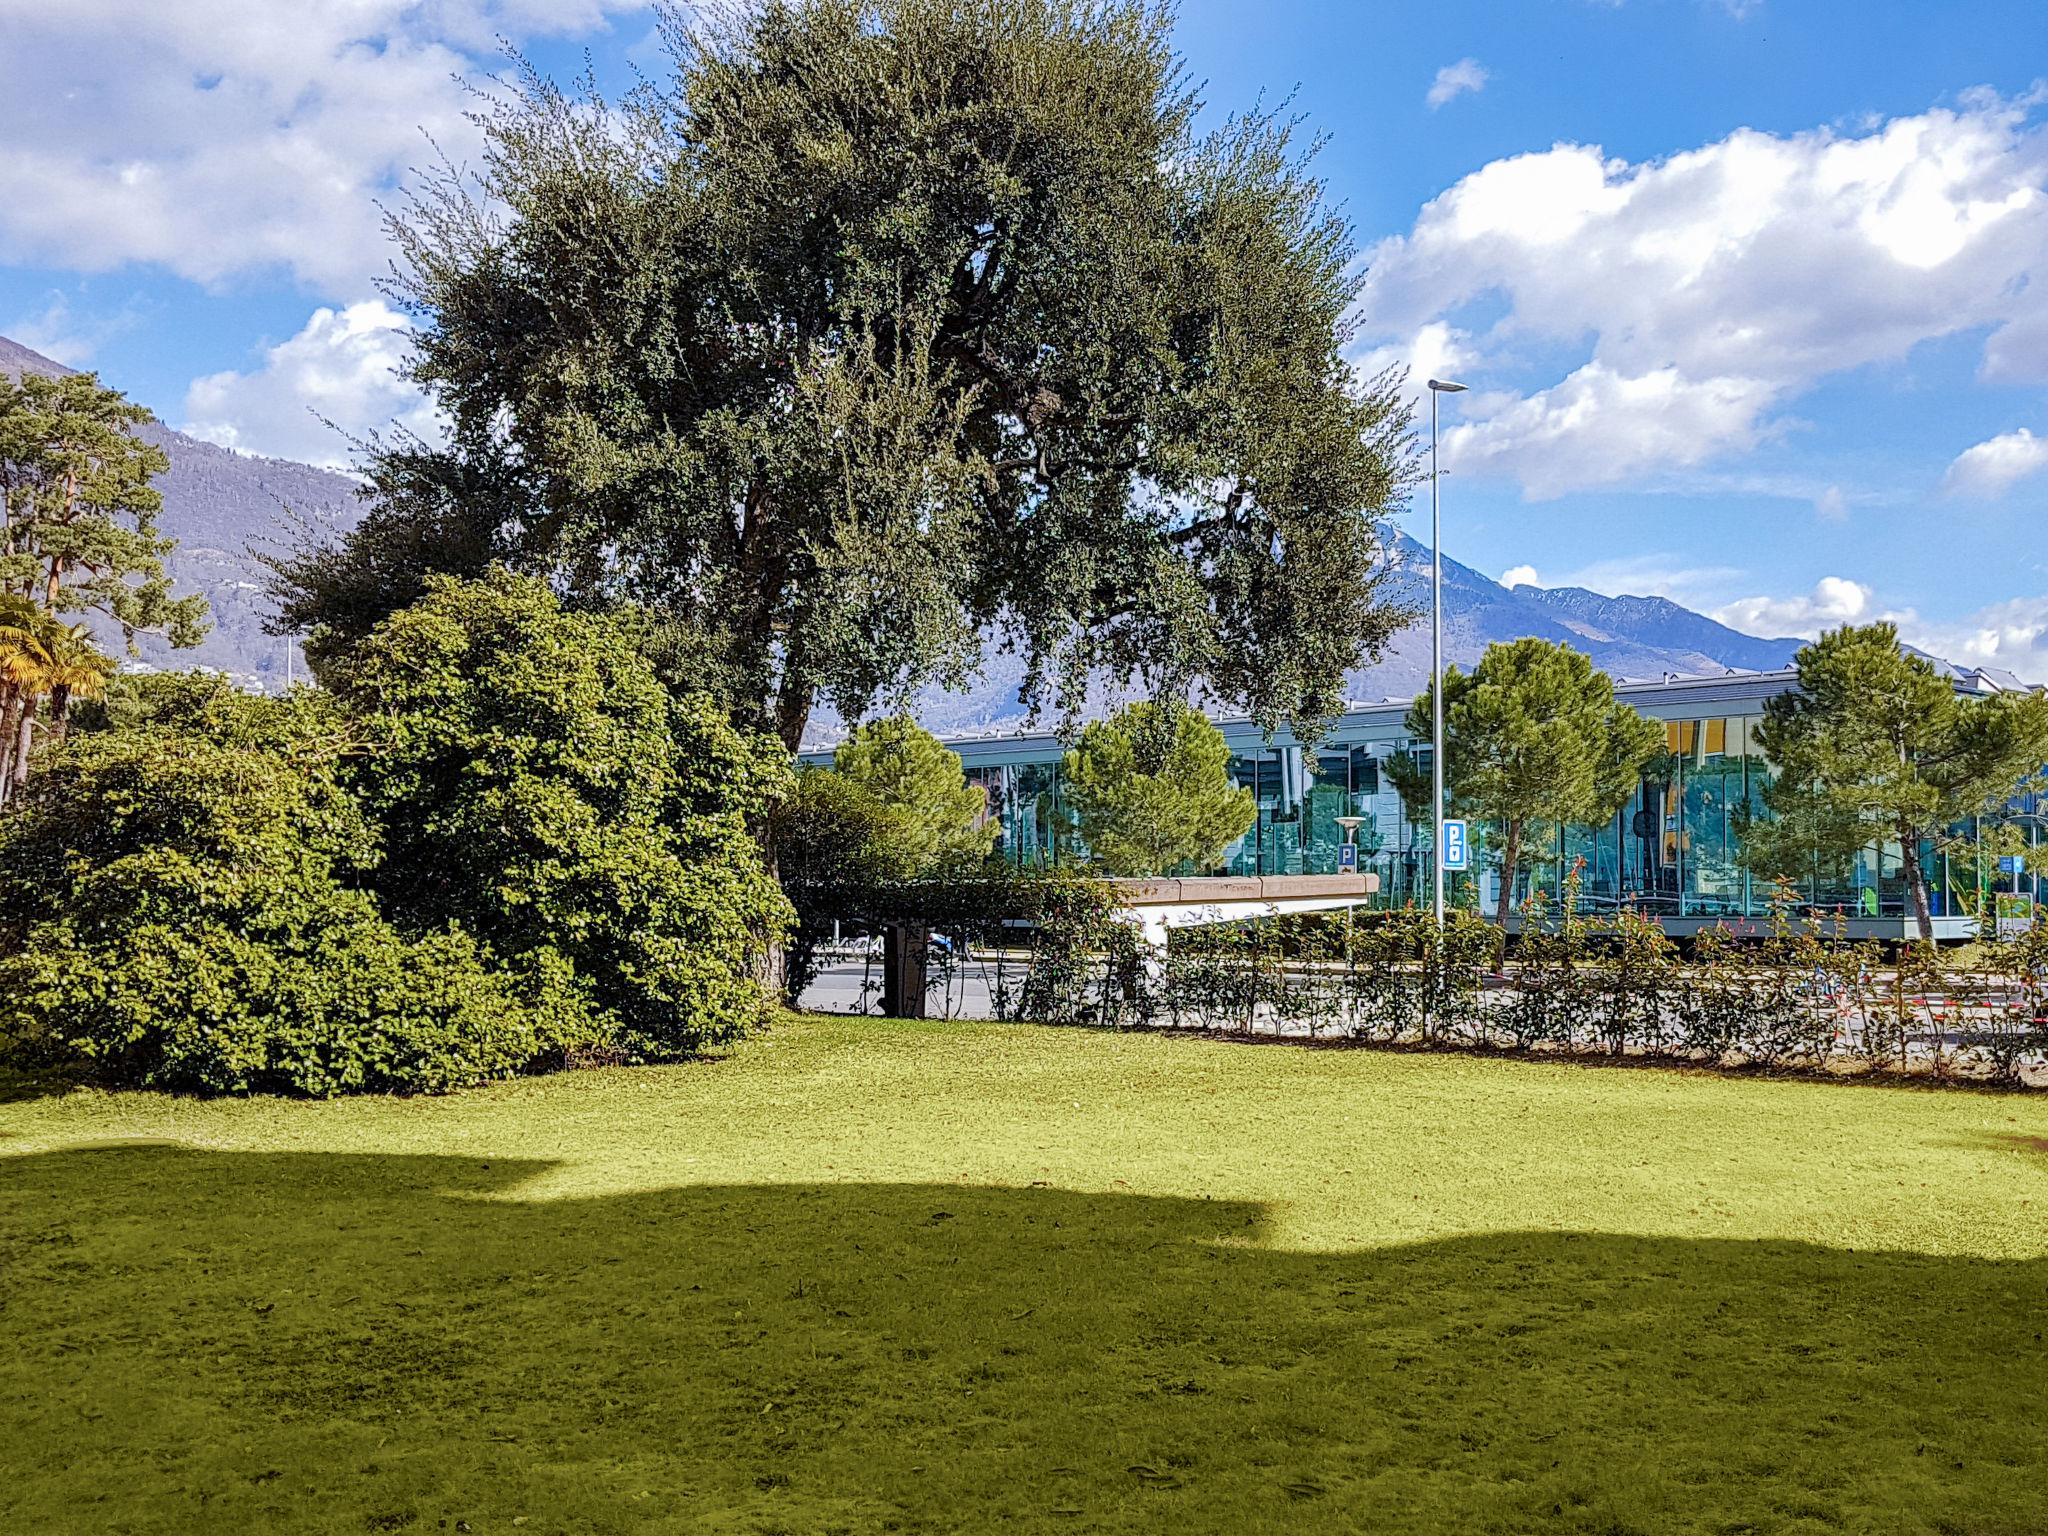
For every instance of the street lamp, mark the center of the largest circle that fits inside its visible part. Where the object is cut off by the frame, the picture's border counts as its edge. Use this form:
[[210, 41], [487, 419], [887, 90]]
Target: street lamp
[[1437, 388]]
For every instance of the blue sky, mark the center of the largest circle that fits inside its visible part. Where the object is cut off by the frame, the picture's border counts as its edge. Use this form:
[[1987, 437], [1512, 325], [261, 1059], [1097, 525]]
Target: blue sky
[[1752, 297]]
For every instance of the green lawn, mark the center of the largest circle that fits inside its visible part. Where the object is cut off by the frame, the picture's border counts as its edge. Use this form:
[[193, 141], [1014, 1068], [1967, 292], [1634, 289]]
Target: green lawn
[[867, 1276]]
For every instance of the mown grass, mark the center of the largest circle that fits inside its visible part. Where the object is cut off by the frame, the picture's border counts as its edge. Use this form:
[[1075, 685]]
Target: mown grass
[[864, 1276]]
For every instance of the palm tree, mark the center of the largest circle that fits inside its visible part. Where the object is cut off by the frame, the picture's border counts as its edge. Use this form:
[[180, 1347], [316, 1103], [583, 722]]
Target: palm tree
[[77, 669], [23, 658], [38, 656]]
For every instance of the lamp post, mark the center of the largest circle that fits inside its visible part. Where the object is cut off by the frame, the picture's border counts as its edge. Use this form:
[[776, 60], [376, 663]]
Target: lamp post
[[1437, 388]]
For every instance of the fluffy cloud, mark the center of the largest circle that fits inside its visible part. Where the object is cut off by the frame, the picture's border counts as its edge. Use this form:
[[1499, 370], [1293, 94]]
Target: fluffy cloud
[[219, 136], [1454, 80], [1991, 468], [1704, 291], [335, 379], [2011, 635], [1435, 351], [1520, 576], [1834, 601]]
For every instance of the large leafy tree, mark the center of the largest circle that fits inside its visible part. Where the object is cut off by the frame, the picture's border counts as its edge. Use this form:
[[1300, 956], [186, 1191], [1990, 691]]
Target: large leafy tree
[[1151, 790], [1532, 735], [883, 327], [1876, 745]]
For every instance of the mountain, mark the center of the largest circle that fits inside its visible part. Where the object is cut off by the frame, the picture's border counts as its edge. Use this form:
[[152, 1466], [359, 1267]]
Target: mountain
[[1662, 624], [219, 504], [222, 507]]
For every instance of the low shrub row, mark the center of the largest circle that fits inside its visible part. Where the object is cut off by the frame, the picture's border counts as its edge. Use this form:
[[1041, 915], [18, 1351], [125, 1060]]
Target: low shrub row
[[1801, 997]]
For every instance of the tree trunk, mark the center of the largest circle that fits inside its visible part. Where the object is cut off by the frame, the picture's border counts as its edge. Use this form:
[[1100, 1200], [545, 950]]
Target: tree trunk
[[792, 715], [27, 728], [10, 705], [1916, 883], [60, 712], [1510, 866]]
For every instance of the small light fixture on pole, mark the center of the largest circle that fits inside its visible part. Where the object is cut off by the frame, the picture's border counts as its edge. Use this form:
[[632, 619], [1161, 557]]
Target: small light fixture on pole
[[1437, 387]]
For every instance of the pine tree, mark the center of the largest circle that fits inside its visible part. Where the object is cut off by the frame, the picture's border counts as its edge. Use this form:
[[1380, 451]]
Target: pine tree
[[78, 535], [79, 510], [1151, 790], [936, 815], [1533, 735], [1876, 745]]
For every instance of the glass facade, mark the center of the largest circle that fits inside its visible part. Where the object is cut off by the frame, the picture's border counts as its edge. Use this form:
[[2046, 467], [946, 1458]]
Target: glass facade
[[1674, 851]]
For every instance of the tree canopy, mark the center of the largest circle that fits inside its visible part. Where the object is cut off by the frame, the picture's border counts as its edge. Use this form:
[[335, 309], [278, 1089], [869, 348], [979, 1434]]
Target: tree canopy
[[1151, 790], [880, 329], [77, 536], [937, 815], [1532, 735], [1876, 745]]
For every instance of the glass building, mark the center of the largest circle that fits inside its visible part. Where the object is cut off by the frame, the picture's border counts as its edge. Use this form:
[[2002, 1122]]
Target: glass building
[[1672, 852]]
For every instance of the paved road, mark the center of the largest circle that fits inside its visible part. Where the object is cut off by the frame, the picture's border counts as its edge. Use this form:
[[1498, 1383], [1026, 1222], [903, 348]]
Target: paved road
[[838, 990]]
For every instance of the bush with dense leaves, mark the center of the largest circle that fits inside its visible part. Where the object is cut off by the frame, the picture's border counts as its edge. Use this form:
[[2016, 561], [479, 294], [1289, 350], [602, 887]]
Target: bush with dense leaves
[[496, 842], [534, 783], [174, 913]]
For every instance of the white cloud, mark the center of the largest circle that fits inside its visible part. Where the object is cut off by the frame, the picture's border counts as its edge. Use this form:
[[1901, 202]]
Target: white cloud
[[2010, 635], [1689, 299], [1993, 467], [1435, 351], [340, 367], [1652, 575], [219, 136], [1520, 576], [65, 336], [1831, 506], [1454, 80], [1834, 601]]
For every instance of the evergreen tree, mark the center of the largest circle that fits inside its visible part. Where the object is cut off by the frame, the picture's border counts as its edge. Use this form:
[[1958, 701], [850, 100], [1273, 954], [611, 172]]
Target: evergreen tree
[[885, 327], [933, 813], [77, 535], [1876, 745], [1151, 790], [1533, 735], [79, 510]]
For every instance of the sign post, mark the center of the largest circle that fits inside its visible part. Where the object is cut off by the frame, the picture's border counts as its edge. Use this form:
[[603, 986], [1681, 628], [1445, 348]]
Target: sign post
[[1457, 852]]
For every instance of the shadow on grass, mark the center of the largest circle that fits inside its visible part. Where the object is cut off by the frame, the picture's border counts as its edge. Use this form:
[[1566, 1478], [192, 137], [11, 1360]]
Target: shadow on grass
[[18, 1087], [280, 1342]]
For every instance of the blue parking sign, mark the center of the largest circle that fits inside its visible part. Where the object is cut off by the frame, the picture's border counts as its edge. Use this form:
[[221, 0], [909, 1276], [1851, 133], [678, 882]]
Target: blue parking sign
[[1457, 852], [2012, 864], [1347, 858]]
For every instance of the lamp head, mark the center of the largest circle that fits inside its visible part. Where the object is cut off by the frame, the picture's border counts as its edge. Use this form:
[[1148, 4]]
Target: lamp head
[[1446, 387]]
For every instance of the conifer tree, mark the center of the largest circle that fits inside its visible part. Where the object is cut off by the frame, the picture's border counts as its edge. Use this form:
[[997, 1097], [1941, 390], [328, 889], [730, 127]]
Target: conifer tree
[[1875, 745], [78, 535], [79, 510], [1532, 735], [1151, 790]]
